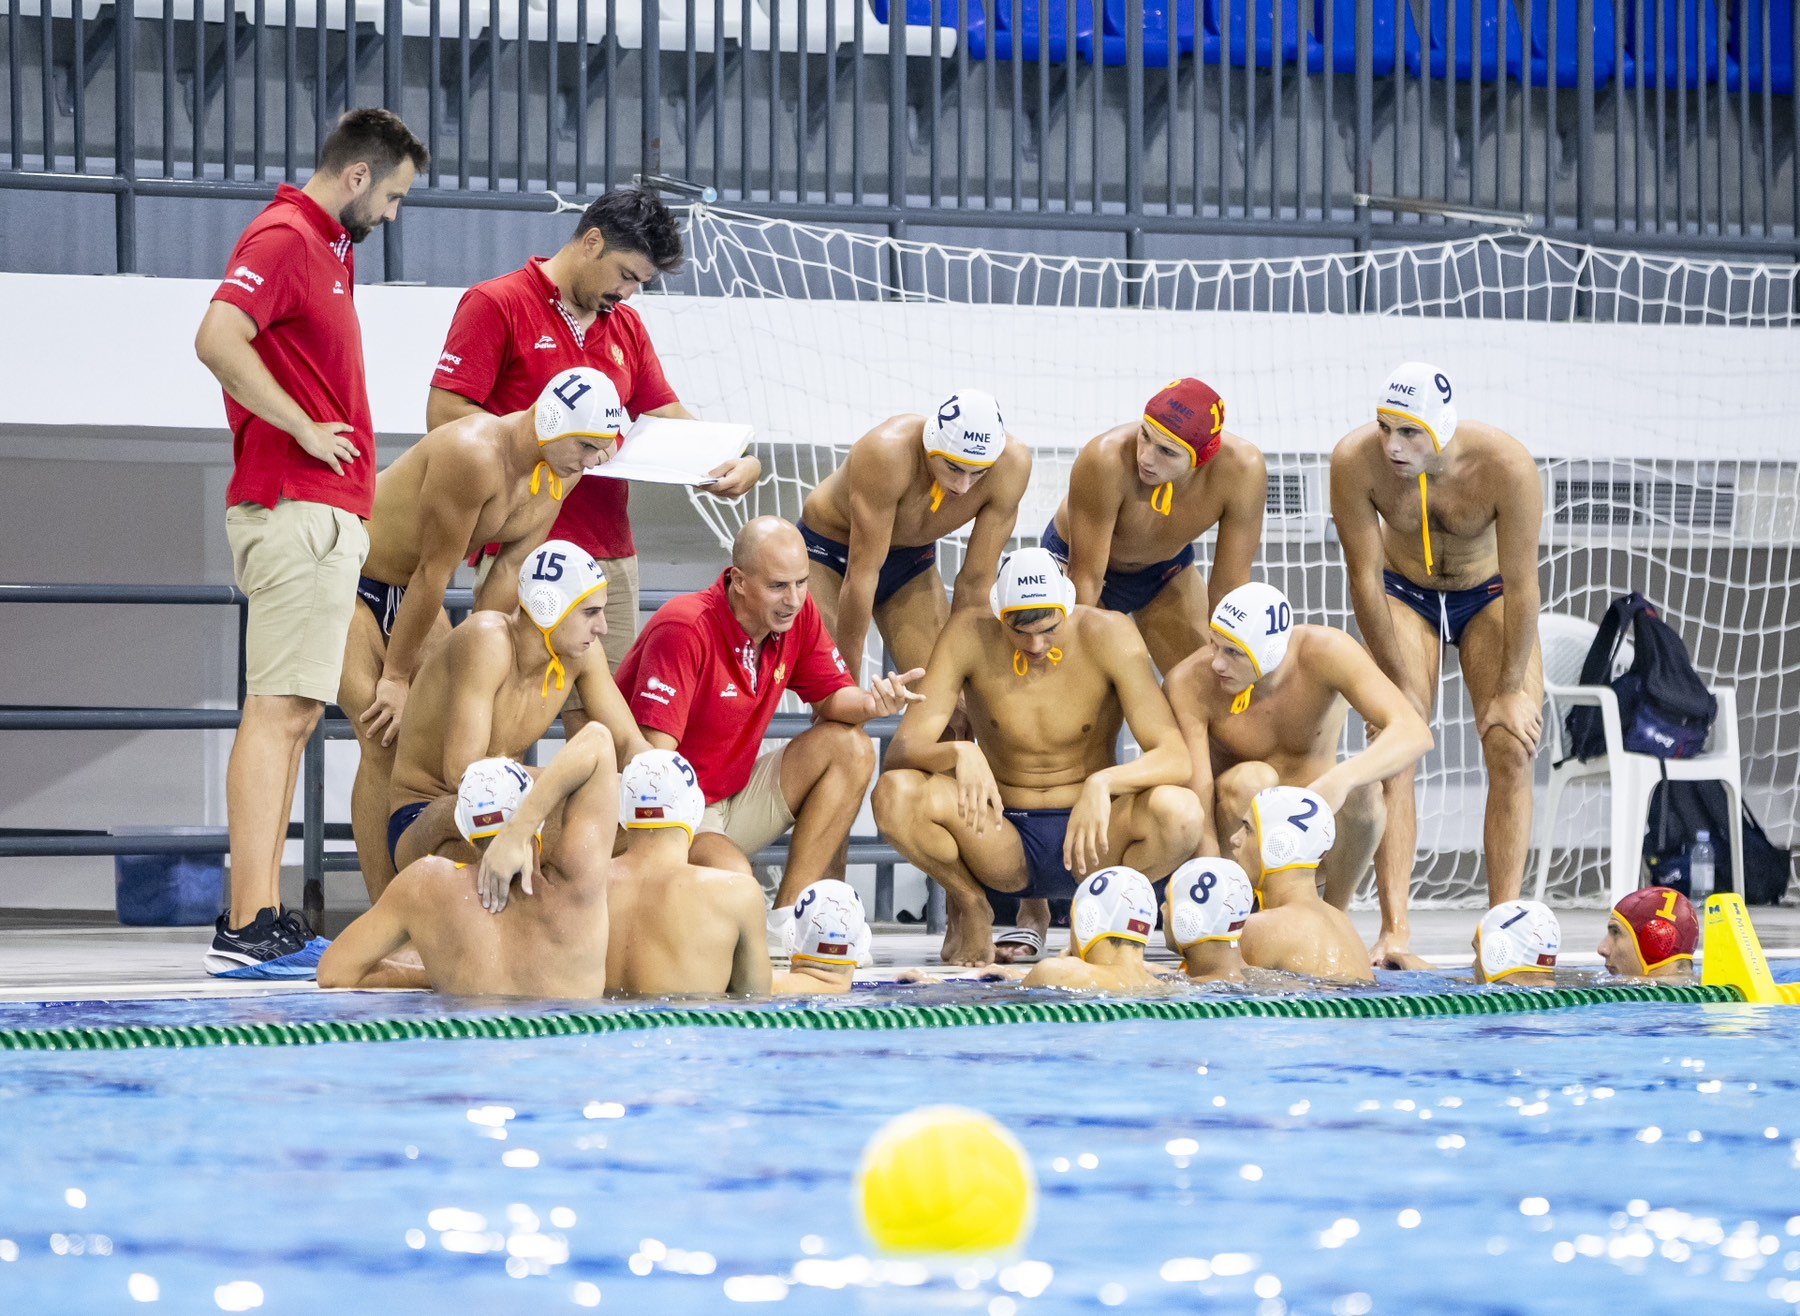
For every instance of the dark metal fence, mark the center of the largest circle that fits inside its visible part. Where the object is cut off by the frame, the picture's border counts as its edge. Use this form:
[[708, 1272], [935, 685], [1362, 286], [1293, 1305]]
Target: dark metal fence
[[313, 831], [1631, 122]]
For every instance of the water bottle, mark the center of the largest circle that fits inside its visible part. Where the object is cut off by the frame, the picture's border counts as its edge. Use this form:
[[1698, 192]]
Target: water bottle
[[1700, 868]]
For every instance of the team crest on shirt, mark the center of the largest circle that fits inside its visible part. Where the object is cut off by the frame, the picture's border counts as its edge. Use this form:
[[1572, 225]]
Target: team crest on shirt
[[618, 356], [780, 673]]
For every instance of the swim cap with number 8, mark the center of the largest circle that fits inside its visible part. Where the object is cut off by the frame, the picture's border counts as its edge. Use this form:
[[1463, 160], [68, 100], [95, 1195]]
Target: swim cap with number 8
[[1209, 900]]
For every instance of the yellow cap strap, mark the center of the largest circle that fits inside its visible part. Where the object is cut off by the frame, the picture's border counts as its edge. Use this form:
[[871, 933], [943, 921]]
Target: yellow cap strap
[[1242, 702], [937, 495], [538, 473], [1163, 499], [1425, 522], [1022, 664], [555, 669]]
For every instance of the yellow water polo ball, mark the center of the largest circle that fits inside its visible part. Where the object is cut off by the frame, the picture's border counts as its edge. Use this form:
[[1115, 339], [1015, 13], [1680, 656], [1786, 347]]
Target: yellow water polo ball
[[946, 1180]]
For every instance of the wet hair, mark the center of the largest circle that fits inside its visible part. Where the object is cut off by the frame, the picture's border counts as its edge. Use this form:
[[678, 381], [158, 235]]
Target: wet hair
[[1030, 616], [632, 219], [377, 137]]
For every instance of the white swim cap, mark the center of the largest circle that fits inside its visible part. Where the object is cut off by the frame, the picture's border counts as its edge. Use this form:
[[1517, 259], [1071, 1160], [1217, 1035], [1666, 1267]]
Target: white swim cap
[[1257, 620], [580, 403], [967, 429], [1419, 393], [1294, 828], [1209, 900], [829, 924], [489, 796], [1031, 578], [1115, 902], [1517, 936], [659, 789], [553, 582]]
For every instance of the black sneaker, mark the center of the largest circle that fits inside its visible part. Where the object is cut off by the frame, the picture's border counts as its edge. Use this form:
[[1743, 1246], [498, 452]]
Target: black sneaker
[[261, 949]]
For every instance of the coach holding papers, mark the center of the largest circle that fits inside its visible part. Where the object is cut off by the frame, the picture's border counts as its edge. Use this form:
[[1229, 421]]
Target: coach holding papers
[[511, 334]]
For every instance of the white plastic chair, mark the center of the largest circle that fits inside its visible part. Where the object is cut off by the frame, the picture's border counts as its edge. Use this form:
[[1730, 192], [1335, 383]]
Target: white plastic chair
[[1566, 641]]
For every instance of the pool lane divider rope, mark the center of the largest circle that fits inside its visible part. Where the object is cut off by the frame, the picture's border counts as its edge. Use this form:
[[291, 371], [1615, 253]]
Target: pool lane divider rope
[[849, 1019]]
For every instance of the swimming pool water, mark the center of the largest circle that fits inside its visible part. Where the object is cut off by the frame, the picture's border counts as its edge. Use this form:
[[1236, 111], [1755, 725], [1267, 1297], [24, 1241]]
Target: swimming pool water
[[1626, 1158]]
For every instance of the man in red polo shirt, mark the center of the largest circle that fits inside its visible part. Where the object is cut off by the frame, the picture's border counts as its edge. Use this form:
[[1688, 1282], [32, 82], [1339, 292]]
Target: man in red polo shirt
[[282, 338], [511, 334], [705, 679]]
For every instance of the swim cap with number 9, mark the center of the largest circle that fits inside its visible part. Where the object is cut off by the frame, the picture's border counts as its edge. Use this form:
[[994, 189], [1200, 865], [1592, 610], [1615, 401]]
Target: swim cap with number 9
[[1418, 393], [1116, 902], [967, 429], [1209, 900]]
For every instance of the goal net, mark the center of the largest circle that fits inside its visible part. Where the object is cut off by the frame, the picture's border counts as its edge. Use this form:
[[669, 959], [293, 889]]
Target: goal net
[[1657, 393]]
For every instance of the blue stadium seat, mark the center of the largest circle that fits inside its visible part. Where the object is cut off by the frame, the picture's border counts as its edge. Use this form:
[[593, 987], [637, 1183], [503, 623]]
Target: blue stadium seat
[[1568, 38], [998, 41], [963, 16], [1658, 37], [1747, 46], [1188, 39], [1471, 20], [1239, 35], [1343, 37]]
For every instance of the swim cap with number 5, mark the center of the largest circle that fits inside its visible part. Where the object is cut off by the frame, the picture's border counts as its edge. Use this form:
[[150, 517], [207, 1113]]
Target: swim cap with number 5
[[659, 788]]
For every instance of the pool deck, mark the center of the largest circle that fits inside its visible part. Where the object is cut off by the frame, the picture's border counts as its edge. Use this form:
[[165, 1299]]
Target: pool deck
[[66, 956]]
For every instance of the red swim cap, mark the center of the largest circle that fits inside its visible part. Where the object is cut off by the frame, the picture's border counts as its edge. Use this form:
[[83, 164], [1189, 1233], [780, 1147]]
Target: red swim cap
[[1662, 924], [1191, 414]]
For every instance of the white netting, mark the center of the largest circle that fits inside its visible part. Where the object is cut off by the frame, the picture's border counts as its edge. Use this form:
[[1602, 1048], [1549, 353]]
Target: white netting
[[1658, 393]]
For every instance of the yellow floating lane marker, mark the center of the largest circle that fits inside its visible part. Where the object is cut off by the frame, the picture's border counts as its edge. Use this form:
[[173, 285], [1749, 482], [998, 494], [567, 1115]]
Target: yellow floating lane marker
[[1732, 955]]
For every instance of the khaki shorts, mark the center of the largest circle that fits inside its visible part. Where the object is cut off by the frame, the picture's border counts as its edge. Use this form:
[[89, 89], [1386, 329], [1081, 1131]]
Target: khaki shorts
[[621, 617], [756, 815], [298, 562]]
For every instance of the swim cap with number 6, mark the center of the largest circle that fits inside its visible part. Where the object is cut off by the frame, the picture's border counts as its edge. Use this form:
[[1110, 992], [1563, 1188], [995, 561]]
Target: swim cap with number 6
[[1116, 902]]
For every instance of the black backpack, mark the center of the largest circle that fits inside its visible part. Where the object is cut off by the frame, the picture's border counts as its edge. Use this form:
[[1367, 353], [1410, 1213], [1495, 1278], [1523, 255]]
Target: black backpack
[[1664, 707], [1679, 811]]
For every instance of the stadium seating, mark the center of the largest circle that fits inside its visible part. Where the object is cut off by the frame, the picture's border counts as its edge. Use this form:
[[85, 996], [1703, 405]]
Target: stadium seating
[[1673, 43], [1463, 32], [1746, 50], [1566, 16]]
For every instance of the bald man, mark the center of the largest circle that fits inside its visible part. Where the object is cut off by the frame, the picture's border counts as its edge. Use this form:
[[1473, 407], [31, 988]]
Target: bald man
[[705, 679]]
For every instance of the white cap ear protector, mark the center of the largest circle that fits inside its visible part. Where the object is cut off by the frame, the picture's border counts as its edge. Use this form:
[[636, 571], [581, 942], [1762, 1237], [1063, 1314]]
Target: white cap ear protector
[[489, 796], [967, 429], [660, 789], [580, 403], [1418, 393], [1294, 828], [1209, 900], [555, 580], [1030, 578], [1517, 936], [829, 924], [1256, 620], [1115, 902]]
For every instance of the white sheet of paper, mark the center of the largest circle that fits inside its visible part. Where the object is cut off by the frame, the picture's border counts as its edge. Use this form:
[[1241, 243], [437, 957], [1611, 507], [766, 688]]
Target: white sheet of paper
[[658, 450]]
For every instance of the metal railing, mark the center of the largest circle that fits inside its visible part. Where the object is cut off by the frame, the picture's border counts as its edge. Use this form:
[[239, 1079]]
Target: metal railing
[[312, 831], [1628, 122]]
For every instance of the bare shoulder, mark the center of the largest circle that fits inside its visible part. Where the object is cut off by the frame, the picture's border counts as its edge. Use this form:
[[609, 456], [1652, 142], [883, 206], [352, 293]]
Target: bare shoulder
[[738, 892], [423, 883], [1180, 683], [482, 640], [1499, 452], [1011, 473], [1238, 456], [1106, 454], [469, 447], [888, 447], [1060, 971], [968, 631], [1113, 634], [1350, 458]]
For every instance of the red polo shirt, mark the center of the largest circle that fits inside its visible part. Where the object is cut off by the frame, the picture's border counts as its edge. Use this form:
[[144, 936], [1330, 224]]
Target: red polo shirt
[[509, 337], [292, 272], [694, 674]]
